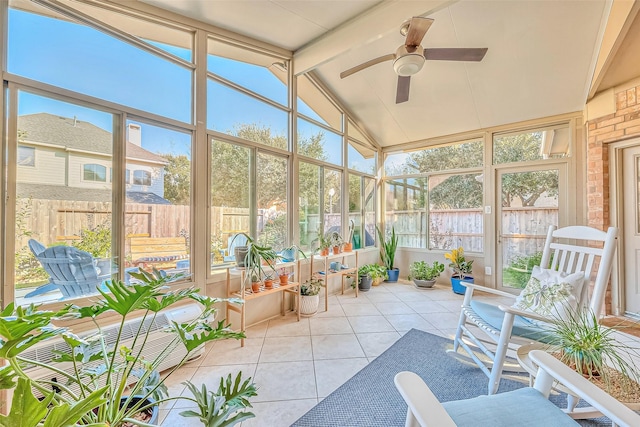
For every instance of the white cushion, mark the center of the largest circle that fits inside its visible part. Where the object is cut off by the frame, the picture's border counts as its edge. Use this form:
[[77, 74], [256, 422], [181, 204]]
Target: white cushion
[[551, 293]]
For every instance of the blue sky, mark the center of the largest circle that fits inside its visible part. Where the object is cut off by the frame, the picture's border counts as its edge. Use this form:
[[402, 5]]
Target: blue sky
[[84, 60]]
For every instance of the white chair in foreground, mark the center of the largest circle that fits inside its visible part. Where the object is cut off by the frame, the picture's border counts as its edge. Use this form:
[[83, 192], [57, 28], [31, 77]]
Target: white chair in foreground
[[571, 266], [523, 407]]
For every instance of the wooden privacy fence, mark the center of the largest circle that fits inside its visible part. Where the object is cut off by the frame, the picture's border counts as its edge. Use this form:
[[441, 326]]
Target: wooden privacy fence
[[451, 228], [51, 221]]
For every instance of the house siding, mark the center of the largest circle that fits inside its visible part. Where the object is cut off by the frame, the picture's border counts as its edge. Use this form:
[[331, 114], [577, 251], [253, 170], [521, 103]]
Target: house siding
[[50, 168]]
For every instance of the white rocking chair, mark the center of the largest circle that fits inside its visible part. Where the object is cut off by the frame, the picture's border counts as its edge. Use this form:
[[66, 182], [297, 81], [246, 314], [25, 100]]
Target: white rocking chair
[[507, 326], [523, 407]]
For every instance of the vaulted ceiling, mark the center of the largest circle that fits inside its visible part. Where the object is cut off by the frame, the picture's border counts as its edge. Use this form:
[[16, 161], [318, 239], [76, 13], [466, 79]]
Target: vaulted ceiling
[[540, 60]]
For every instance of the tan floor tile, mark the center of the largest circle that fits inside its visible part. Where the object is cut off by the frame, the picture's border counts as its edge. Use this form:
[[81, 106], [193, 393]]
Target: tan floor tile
[[393, 308], [336, 347], [427, 306], [364, 324], [405, 322], [278, 414], [288, 326], [229, 352], [375, 344], [412, 295], [257, 331], [376, 297], [350, 298], [330, 374], [363, 309], [174, 383], [330, 326], [454, 306], [284, 349], [275, 381], [335, 310], [442, 320]]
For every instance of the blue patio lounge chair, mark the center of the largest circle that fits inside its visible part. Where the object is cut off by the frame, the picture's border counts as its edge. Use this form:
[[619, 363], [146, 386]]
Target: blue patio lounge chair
[[71, 270]]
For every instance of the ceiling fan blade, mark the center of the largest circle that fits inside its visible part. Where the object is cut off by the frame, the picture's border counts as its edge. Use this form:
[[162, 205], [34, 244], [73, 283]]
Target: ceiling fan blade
[[402, 93], [455, 54], [417, 29], [367, 64]]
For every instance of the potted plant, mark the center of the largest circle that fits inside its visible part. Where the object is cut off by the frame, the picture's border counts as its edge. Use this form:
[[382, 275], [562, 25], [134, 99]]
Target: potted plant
[[348, 245], [283, 276], [291, 253], [309, 298], [254, 257], [255, 283], [590, 348], [335, 241], [423, 274], [461, 270], [388, 253], [370, 274], [268, 281], [109, 384]]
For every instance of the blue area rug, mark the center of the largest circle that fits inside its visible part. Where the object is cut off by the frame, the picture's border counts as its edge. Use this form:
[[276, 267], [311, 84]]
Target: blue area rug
[[370, 398]]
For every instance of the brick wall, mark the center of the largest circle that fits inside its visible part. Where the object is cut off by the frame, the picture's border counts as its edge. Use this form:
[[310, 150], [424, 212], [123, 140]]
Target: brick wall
[[623, 124]]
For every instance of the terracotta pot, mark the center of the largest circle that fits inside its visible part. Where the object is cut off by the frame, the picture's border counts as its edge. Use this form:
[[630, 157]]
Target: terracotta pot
[[348, 247], [324, 252], [336, 250], [268, 283], [255, 287], [284, 279]]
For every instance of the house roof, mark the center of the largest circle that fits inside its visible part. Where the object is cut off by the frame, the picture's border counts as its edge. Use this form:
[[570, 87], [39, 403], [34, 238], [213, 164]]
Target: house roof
[[59, 192], [71, 133]]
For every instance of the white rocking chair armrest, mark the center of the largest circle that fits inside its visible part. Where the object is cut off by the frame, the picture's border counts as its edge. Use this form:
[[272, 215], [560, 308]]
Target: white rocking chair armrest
[[524, 313], [616, 411], [488, 290], [424, 407]]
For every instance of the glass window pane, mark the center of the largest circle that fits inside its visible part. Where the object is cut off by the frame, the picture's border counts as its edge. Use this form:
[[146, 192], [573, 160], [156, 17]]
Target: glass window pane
[[234, 113], [260, 73], [26, 156], [533, 145], [158, 208], [230, 198], [369, 213], [406, 210], [361, 158], [55, 205], [309, 202], [354, 133], [355, 209], [315, 105], [455, 156], [332, 201], [455, 212], [529, 207], [272, 200], [319, 143], [88, 61]]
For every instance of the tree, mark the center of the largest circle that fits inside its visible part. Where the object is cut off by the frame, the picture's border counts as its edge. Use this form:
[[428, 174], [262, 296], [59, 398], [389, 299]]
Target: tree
[[177, 179]]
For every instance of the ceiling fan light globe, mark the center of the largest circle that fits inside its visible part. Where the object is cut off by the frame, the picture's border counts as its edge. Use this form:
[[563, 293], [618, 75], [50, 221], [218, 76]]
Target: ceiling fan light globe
[[408, 65]]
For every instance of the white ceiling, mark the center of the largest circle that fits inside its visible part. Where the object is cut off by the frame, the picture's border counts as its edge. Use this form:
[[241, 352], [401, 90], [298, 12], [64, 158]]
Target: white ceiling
[[539, 63]]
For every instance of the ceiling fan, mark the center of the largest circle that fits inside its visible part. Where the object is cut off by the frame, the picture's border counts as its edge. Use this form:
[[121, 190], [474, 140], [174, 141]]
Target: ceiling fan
[[409, 58]]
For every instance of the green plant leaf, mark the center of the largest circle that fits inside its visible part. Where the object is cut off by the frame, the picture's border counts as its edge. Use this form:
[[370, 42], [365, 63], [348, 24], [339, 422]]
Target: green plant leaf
[[7, 377], [168, 299], [26, 409], [65, 415], [125, 299], [193, 336]]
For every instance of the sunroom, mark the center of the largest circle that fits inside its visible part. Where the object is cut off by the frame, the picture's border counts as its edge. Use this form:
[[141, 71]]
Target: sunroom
[[166, 135]]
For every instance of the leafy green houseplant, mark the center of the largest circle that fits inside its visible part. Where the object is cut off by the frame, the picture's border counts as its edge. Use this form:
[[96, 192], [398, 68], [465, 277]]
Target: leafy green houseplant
[[424, 274], [109, 383], [388, 253], [254, 257], [375, 272], [309, 296], [592, 349]]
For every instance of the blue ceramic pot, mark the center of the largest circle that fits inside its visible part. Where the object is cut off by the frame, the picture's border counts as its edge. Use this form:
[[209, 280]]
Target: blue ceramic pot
[[457, 287], [393, 275]]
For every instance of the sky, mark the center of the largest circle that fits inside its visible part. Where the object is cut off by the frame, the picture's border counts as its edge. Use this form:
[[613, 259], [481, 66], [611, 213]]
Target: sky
[[84, 60]]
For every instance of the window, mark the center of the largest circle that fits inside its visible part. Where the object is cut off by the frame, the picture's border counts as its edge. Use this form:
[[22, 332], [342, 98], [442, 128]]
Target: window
[[362, 158], [94, 172], [309, 182], [127, 176], [314, 104], [319, 143], [271, 195], [26, 156], [540, 144], [92, 62], [405, 209], [453, 156], [141, 177]]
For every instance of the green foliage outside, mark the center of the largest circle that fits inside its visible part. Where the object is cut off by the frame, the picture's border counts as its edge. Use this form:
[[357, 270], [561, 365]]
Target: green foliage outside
[[96, 241], [28, 269], [177, 179], [518, 272]]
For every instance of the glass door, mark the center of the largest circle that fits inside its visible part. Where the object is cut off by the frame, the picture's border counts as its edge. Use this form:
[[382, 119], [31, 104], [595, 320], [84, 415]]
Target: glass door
[[529, 202]]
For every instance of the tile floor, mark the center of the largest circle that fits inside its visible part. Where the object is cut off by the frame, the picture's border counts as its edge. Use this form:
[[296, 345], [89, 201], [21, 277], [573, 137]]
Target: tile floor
[[296, 364]]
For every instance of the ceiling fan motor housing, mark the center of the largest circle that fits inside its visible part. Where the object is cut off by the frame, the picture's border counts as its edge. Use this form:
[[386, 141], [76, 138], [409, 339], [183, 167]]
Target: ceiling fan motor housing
[[409, 60]]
